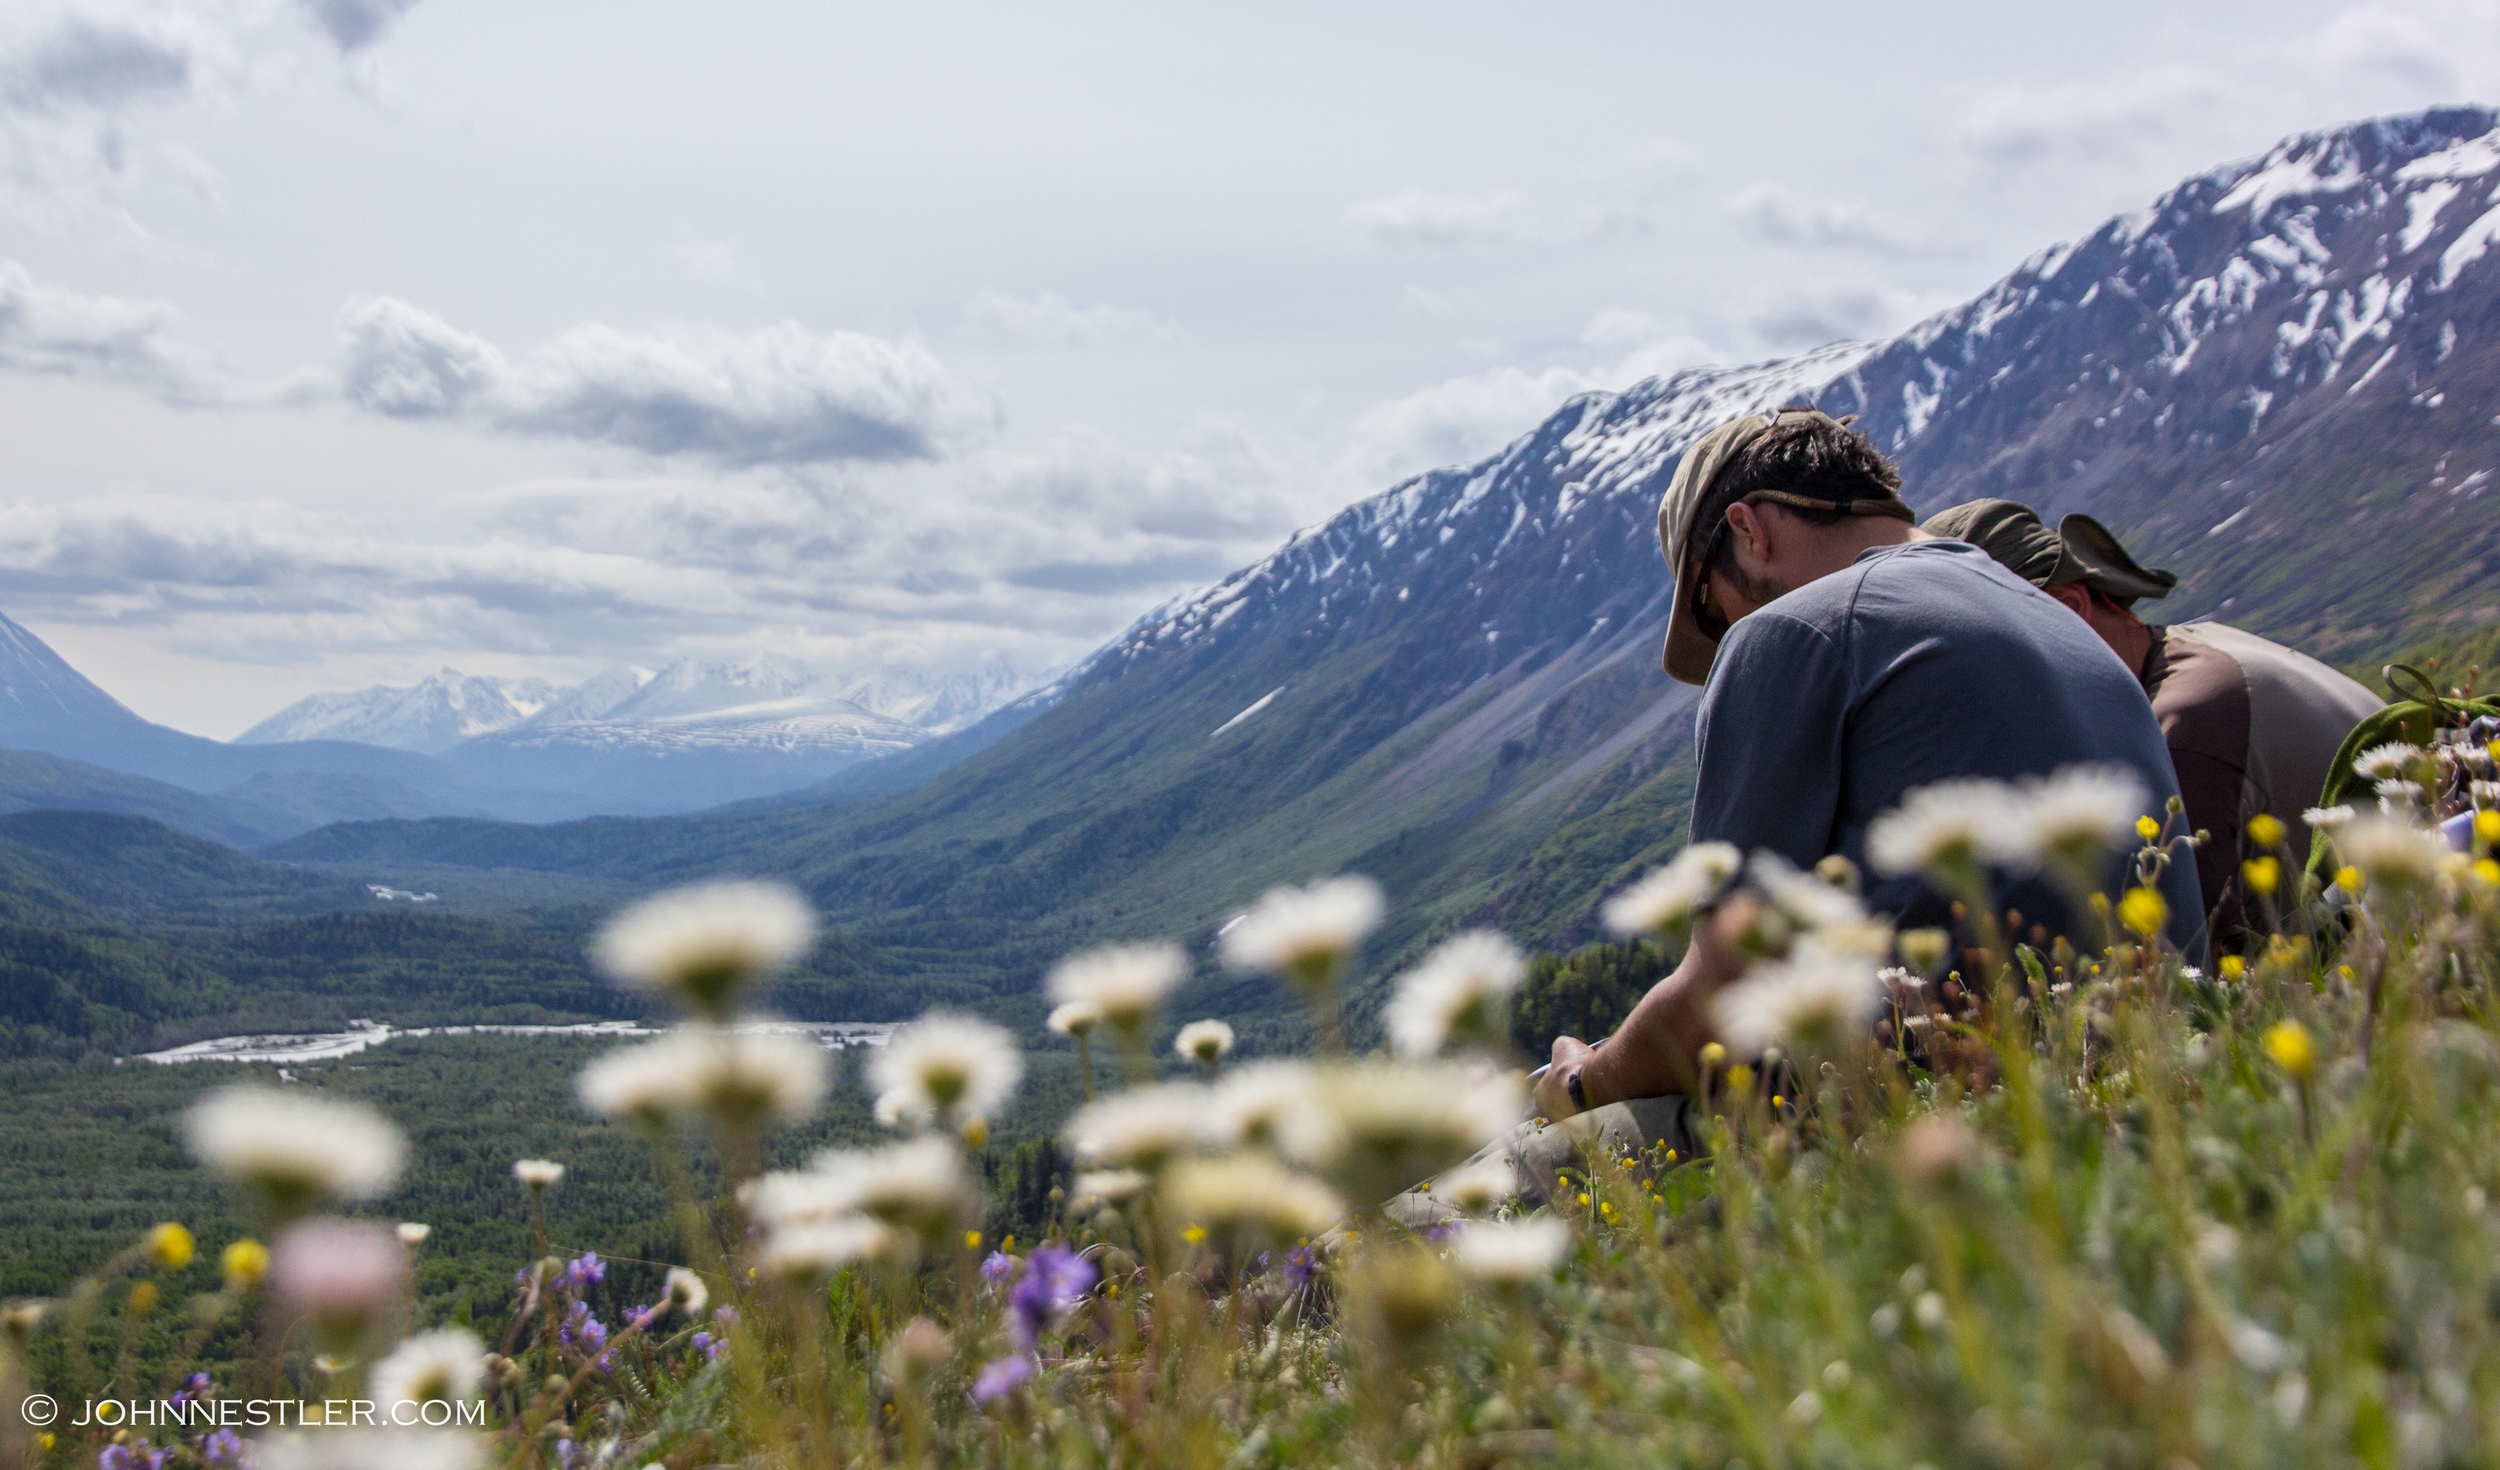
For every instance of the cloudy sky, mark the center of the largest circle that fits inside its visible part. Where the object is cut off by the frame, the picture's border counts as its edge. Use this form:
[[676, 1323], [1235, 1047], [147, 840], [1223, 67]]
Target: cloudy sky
[[344, 339]]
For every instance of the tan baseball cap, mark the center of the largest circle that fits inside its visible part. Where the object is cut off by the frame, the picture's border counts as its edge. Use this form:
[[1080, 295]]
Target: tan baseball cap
[[1689, 651], [2081, 549]]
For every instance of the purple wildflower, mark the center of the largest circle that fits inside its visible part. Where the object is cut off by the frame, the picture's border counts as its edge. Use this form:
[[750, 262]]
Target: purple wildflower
[[582, 1332], [725, 1316], [1002, 1378], [135, 1455], [1301, 1267], [568, 1454], [1446, 1230], [1055, 1278], [222, 1448], [193, 1387], [586, 1272], [996, 1267], [708, 1346]]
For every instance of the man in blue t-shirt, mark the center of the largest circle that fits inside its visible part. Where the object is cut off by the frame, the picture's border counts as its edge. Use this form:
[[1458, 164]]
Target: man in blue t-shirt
[[1848, 658]]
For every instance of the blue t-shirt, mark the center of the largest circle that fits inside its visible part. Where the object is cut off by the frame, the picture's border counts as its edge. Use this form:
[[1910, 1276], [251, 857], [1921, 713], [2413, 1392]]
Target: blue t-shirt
[[1918, 663]]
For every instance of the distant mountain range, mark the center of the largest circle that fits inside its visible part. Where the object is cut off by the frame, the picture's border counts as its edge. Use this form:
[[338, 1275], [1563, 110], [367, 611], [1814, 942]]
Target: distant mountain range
[[628, 742], [2279, 380], [702, 732], [781, 701]]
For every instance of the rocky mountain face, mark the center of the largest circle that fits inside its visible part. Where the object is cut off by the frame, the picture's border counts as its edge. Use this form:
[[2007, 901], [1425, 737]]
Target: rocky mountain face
[[2279, 380]]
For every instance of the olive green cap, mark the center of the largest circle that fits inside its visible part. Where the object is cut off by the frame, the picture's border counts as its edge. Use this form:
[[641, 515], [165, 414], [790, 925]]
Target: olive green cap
[[2081, 549]]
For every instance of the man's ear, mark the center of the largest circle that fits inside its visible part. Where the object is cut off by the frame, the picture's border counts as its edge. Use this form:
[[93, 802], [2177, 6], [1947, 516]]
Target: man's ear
[[2075, 595], [1751, 531]]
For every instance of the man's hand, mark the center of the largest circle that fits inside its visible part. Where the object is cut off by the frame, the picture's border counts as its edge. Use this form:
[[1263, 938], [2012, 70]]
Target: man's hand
[[1553, 1090]]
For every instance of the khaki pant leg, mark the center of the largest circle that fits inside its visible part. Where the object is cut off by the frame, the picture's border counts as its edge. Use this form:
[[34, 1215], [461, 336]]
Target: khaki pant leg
[[1538, 1154]]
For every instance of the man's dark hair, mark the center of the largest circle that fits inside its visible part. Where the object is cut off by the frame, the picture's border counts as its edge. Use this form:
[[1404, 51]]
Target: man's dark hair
[[1820, 460]]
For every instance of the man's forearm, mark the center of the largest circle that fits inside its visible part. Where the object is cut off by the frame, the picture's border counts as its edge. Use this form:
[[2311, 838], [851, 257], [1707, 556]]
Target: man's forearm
[[1657, 1049]]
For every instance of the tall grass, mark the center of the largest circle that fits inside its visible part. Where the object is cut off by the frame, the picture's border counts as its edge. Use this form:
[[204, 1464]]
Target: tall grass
[[2071, 1205]]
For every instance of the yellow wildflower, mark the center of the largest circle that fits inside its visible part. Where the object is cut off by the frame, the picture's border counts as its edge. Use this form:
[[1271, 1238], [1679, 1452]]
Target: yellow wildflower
[[1713, 1054], [143, 1299], [2262, 874], [171, 1246], [1194, 1234], [2233, 967], [2488, 871], [2147, 828], [2487, 828], [245, 1263], [2348, 878], [2265, 830], [972, 1240], [2288, 1043], [2143, 911]]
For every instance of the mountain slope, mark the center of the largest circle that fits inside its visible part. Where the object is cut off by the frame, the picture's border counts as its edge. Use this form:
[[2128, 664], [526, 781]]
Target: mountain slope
[[2278, 380]]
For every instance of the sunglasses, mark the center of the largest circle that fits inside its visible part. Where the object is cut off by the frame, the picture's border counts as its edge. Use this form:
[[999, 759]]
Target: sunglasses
[[1705, 616]]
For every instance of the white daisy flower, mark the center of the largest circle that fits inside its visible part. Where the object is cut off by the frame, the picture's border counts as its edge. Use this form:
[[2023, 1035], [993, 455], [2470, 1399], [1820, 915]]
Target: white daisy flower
[[1662, 903], [1382, 1126], [1511, 1253], [944, 1068], [1475, 1188], [1815, 996], [684, 1291], [1457, 997], [295, 1149], [1258, 1103], [709, 942], [1076, 1018], [2396, 795], [1204, 1042], [1106, 1187], [1250, 1191], [2327, 817], [1125, 983], [740, 1077], [795, 1197], [1808, 900], [2391, 853], [819, 1249], [1306, 935], [919, 1185], [2382, 761], [445, 1366], [2072, 821], [1951, 828], [369, 1449], [344, 1274], [537, 1175], [1141, 1128], [412, 1233]]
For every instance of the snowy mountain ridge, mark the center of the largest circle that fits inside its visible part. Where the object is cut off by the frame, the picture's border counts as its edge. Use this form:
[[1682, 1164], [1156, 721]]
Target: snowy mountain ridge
[[769, 701]]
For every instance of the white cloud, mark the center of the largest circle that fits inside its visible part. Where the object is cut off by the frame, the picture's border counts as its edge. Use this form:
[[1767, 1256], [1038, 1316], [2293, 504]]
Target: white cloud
[[2023, 124], [57, 333], [1429, 221], [354, 25], [1777, 215], [1455, 421], [777, 395], [88, 64], [1051, 317]]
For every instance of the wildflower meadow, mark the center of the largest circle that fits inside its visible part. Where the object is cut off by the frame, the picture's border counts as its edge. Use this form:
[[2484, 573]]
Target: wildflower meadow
[[1973, 1194]]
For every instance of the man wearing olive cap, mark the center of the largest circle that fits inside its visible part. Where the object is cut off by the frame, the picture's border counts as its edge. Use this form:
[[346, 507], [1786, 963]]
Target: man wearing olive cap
[[2252, 726], [1848, 658]]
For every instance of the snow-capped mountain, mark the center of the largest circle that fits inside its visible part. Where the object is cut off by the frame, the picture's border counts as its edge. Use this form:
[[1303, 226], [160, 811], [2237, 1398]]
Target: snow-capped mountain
[[432, 716]]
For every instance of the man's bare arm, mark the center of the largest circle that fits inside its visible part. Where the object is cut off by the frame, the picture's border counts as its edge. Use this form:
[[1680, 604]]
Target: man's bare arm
[[1657, 1049]]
